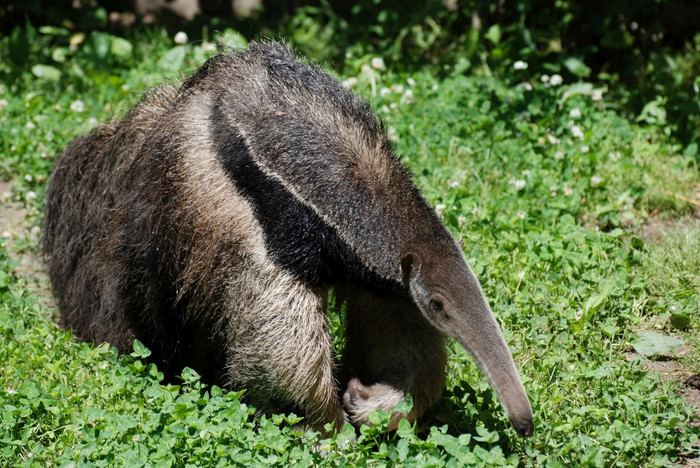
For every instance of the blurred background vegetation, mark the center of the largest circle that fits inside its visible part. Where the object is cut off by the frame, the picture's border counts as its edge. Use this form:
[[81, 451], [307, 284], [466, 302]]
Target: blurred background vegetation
[[646, 52]]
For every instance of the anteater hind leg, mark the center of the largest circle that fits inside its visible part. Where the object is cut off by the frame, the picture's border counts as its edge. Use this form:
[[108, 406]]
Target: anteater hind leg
[[280, 351], [391, 351]]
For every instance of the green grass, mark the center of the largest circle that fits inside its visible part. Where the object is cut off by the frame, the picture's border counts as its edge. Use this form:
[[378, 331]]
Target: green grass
[[547, 187]]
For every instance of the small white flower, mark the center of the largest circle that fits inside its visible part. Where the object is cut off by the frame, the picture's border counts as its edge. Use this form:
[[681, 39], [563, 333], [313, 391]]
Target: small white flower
[[377, 63], [77, 106], [556, 80], [393, 106], [180, 38], [521, 273], [568, 190], [410, 81], [597, 95], [524, 85], [348, 55], [522, 214], [462, 220], [30, 125], [30, 196], [350, 82], [454, 184], [520, 65], [595, 181], [28, 177], [579, 314], [520, 184], [384, 92], [434, 87], [559, 155], [440, 208], [384, 109], [577, 132], [125, 87], [544, 78], [553, 140], [614, 155], [575, 113], [10, 391], [3, 103], [407, 96], [585, 149], [397, 88], [526, 172]]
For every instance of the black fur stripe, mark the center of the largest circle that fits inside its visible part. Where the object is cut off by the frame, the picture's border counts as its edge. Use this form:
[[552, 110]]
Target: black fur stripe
[[297, 238]]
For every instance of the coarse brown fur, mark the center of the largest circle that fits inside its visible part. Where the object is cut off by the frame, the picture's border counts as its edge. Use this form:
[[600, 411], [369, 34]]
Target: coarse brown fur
[[212, 221]]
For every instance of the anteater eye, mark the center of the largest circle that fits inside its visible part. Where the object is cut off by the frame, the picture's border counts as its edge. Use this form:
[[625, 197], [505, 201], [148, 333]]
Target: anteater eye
[[436, 305]]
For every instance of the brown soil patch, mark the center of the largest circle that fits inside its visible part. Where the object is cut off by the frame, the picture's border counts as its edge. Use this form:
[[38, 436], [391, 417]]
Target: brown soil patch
[[15, 227], [656, 228]]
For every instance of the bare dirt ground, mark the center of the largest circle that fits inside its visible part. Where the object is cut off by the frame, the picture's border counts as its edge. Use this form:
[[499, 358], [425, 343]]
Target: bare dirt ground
[[657, 231]]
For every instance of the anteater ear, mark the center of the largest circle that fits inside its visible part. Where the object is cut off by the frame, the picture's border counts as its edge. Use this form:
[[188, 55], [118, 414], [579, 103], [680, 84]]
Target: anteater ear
[[410, 266]]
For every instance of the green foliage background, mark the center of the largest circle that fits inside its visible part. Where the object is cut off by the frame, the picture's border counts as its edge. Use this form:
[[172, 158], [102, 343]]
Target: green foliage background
[[549, 175]]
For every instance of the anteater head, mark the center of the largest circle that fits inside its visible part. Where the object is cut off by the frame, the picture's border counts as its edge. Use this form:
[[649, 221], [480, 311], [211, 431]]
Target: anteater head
[[449, 296]]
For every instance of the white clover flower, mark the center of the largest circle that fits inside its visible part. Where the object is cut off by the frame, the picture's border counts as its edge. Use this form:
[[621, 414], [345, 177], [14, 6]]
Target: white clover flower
[[3, 103], [397, 88], [578, 314], [28, 177], [520, 184], [544, 78], [384, 92], [614, 155], [585, 149], [410, 81], [521, 273], [30, 125], [30, 196], [568, 190], [377, 63], [407, 96], [440, 208], [125, 87], [522, 214], [526, 172], [393, 106], [556, 80], [520, 65], [462, 220], [384, 109], [553, 140], [434, 87], [575, 113], [180, 38], [595, 181], [350, 82], [559, 155], [577, 132], [597, 95], [524, 85], [77, 106]]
